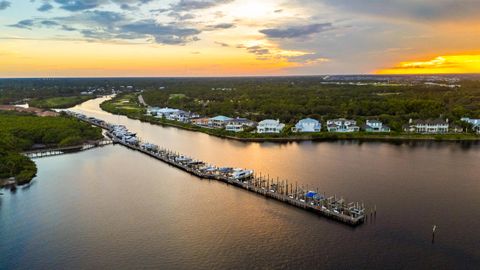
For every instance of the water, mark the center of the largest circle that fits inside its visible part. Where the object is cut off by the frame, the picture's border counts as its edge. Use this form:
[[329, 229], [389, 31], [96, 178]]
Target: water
[[115, 208]]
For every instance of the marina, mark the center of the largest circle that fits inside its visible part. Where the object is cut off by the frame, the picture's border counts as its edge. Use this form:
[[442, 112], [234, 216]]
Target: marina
[[310, 199]]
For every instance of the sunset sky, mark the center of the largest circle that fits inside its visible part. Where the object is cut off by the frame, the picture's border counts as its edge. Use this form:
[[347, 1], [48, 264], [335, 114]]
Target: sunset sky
[[79, 38]]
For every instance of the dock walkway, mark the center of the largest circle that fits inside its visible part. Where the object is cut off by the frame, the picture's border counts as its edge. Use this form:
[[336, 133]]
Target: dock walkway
[[39, 153]]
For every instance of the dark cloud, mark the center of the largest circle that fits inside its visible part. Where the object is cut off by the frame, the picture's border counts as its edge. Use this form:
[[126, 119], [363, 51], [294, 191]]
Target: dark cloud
[[80, 5], [128, 7], [49, 23], [181, 16], [219, 26], [109, 25], [223, 44], [45, 7], [68, 28], [161, 33], [25, 24], [187, 5], [296, 31], [4, 5]]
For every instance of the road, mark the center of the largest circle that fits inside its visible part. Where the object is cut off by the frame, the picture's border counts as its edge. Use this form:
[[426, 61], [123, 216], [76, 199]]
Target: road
[[141, 100]]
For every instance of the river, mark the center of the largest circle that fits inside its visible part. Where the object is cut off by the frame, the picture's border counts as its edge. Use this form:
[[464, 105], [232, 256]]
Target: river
[[115, 208]]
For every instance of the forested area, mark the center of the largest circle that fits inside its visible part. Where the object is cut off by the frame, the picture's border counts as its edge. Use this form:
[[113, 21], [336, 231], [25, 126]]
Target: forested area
[[19, 132], [47, 93]]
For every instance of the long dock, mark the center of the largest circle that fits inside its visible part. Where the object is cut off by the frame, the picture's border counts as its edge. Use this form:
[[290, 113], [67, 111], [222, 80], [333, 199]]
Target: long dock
[[351, 213], [39, 153]]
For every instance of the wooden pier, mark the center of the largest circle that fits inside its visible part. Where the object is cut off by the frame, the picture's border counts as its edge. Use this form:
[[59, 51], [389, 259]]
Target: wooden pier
[[65, 150], [332, 207]]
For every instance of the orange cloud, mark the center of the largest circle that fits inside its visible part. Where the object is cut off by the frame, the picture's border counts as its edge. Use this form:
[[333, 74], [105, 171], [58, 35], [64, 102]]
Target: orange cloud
[[468, 63]]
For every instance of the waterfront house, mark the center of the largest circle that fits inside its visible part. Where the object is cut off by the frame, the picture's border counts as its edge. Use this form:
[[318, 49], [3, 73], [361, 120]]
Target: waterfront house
[[430, 126], [307, 125], [238, 124], [375, 126], [474, 122], [219, 121], [270, 126], [342, 125], [201, 121], [171, 114], [161, 112]]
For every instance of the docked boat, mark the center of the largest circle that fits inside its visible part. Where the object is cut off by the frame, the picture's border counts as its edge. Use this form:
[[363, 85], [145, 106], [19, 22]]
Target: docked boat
[[239, 174]]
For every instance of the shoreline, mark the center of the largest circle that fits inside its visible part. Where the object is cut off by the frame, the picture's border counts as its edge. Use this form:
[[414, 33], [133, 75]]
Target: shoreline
[[316, 137]]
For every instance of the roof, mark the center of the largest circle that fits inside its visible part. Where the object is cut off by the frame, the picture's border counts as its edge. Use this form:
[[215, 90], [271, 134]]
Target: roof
[[220, 118], [308, 120], [269, 122]]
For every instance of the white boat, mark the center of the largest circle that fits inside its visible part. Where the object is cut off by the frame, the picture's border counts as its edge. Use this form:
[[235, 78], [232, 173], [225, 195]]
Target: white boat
[[239, 174]]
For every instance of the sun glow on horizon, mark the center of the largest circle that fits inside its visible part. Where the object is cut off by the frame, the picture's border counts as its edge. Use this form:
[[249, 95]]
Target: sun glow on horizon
[[447, 64]]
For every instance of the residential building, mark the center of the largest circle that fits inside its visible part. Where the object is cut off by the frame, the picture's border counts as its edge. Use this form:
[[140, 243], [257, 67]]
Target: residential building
[[430, 126], [342, 125], [203, 121], [238, 124], [219, 121], [474, 122], [270, 126], [171, 114], [307, 125], [375, 126]]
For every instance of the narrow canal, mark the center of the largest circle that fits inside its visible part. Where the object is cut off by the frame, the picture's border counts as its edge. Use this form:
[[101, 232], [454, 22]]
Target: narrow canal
[[116, 208]]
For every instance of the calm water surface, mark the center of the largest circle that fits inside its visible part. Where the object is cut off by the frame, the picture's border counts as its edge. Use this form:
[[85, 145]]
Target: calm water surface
[[113, 208]]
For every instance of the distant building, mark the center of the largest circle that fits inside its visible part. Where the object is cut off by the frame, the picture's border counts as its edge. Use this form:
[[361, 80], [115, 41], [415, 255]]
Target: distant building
[[375, 126], [270, 126], [307, 125], [238, 124], [342, 125], [219, 121], [474, 122], [435, 126]]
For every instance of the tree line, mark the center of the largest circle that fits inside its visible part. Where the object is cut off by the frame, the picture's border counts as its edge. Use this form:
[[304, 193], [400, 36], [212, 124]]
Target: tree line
[[20, 131]]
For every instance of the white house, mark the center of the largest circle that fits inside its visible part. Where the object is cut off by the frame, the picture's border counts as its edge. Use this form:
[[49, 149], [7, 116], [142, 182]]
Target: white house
[[375, 126], [238, 124], [342, 125], [171, 114], [161, 112], [474, 122], [436, 126], [270, 126], [307, 125]]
